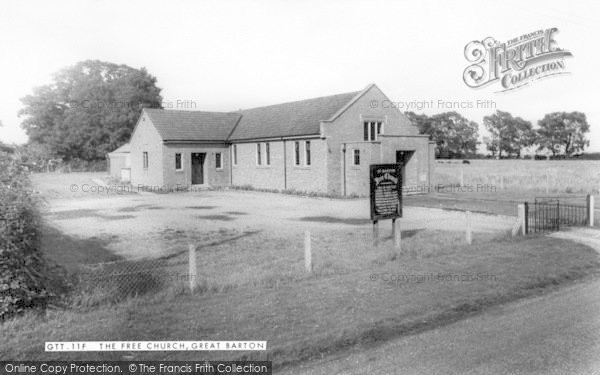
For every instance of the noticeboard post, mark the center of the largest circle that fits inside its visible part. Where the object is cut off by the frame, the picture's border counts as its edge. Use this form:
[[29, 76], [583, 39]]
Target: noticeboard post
[[386, 196]]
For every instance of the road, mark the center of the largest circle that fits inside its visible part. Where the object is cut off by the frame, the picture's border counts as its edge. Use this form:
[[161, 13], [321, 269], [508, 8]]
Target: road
[[558, 333]]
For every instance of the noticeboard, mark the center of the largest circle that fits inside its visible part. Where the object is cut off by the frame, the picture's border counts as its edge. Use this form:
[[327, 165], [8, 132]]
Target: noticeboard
[[386, 191]]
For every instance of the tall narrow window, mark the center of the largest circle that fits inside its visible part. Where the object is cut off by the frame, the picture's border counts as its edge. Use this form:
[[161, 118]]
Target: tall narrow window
[[297, 153], [178, 161], [307, 152], [356, 157], [145, 159], [372, 129], [258, 155], [373, 137], [268, 153], [218, 160], [234, 154]]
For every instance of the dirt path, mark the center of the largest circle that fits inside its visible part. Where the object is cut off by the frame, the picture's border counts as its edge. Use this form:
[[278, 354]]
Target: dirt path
[[587, 236]]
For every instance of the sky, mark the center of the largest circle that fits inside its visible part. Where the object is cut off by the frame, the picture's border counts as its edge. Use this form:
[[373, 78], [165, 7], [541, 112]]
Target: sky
[[227, 55]]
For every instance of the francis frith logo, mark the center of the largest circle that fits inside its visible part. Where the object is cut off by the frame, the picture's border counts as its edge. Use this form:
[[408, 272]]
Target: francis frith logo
[[515, 63]]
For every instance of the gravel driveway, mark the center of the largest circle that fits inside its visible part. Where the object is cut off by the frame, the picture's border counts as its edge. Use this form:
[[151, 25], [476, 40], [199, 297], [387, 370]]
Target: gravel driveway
[[138, 223]]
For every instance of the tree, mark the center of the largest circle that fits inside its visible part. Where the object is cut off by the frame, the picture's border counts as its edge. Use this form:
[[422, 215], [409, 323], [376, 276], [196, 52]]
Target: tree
[[89, 110], [519, 135], [563, 133], [422, 121], [491, 145], [497, 125], [453, 134], [509, 134]]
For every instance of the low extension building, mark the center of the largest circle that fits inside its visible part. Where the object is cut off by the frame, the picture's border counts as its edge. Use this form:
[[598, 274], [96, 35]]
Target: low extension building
[[322, 145]]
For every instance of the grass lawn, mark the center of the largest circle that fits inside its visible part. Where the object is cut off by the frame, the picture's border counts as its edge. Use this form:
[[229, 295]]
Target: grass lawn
[[563, 176], [497, 203], [358, 295], [513, 182], [74, 185]]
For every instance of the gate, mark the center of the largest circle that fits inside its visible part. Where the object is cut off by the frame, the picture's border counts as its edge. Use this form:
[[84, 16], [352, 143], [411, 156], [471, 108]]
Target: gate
[[550, 214]]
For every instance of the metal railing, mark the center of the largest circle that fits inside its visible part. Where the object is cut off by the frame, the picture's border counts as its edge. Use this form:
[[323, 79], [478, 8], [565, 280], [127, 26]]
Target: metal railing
[[550, 214]]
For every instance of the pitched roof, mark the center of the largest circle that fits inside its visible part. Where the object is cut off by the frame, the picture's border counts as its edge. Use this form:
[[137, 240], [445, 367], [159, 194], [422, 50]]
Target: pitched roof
[[192, 125], [289, 119], [280, 120], [123, 149]]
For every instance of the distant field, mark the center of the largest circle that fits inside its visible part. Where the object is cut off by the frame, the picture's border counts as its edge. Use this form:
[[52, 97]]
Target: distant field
[[563, 176]]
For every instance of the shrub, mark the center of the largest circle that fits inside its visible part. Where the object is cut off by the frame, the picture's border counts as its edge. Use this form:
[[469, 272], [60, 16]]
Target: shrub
[[23, 281]]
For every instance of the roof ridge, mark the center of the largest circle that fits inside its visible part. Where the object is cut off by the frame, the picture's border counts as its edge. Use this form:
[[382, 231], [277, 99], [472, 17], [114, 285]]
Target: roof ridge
[[301, 100], [349, 104], [189, 111]]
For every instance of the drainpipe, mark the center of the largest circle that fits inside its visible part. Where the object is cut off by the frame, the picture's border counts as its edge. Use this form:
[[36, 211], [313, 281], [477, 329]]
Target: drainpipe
[[428, 167], [429, 147], [344, 165], [231, 165], [284, 166]]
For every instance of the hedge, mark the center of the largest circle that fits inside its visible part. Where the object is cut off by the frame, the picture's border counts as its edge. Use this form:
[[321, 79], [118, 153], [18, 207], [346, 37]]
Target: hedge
[[23, 275]]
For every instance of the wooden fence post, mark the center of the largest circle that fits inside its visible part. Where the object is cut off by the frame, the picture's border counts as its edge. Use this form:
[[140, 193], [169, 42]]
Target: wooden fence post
[[522, 218], [192, 267], [307, 252], [468, 227], [397, 234], [375, 233], [590, 210]]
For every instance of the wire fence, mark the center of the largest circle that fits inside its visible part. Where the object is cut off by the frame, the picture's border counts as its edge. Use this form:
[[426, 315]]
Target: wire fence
[[256, 262], [119, 280]]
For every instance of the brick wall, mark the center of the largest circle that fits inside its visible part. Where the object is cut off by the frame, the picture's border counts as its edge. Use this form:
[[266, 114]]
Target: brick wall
[[357, 176], [278, 175], [118, 161], [308, 178], [247, 172], [183, 177], [145, 138], [348, 129], [416, 171]]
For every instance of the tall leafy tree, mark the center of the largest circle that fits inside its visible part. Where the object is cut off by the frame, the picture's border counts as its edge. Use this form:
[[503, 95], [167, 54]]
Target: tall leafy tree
[[563, 133], [498, 126], [421, 121], [519, 135], [491, 145], [89, 109], [453, 134]]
